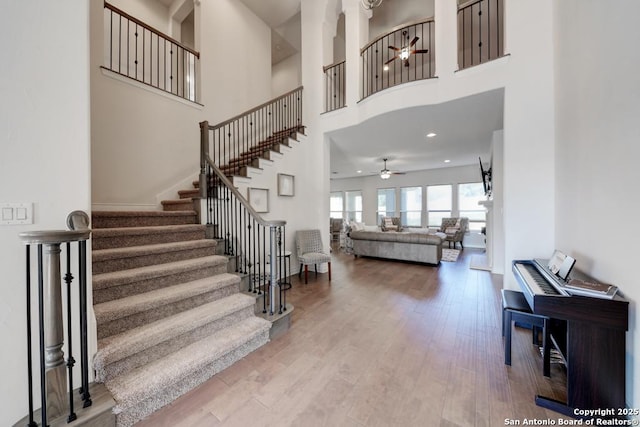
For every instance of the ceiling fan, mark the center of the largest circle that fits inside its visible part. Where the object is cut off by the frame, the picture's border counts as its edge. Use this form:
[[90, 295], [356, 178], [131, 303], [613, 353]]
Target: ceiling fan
[[386, 173], [404, 52]]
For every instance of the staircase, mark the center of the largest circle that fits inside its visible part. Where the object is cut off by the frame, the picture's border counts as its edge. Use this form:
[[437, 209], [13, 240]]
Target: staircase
[[168, 314]]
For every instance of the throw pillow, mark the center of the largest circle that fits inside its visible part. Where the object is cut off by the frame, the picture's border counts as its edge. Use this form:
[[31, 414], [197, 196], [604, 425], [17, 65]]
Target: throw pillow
[[451, 230]]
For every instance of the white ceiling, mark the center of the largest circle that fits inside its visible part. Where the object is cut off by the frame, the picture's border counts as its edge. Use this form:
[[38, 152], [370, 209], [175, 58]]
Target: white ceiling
[[464, 129]]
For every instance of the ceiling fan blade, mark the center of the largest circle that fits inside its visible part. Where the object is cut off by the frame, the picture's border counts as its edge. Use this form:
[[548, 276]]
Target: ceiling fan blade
[[398, 173], [420, 51], [414, 41], [397, 49], [391, 60]]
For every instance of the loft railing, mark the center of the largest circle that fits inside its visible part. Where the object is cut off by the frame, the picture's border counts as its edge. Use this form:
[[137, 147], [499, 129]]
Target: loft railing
[[56, 374], [480, 32], [136, 50], [334, 86], [382, 66], [240, 139], [256, 245]]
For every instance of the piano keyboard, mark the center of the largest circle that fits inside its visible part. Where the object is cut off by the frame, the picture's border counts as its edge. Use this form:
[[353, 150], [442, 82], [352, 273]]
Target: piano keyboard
[[536, 281]]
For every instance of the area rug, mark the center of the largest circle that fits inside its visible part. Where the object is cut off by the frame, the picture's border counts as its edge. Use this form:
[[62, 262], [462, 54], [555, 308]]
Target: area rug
[[450, 255]]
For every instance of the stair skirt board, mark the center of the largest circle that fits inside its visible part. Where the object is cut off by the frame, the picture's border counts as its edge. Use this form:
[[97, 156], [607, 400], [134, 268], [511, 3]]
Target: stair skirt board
[[155, 385]]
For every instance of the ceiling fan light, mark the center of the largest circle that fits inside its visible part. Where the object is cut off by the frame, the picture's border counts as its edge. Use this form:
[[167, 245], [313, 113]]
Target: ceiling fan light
[[404, 53], [385, 174]]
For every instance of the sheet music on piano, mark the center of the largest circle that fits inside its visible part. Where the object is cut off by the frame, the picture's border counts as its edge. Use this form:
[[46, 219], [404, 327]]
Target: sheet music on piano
[[560, 265]]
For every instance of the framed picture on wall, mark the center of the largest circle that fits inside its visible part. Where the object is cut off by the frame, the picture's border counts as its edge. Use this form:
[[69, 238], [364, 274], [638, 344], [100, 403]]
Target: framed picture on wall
[[259, 199], [285, 185]]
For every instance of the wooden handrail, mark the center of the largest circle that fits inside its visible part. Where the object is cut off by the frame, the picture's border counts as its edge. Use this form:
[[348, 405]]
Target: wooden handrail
[[253, 110], [335, 64], [150, 28], [223, 178], [467, 4], [394, 29]]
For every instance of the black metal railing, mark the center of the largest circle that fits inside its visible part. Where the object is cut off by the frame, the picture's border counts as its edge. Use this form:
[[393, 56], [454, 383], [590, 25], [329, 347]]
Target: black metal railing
[[136, 50], [480, 32], [256, 245], [334, 86], [238, 141], [56, 374], [402, 55]]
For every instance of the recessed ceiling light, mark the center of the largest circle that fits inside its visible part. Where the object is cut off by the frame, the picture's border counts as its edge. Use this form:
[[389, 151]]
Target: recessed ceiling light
[[359, 171], [447, 161], [431, 135], [385, 68]]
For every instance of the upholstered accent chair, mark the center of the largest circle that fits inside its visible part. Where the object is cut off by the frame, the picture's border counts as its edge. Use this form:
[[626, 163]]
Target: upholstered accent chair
[[309, 250], [455, 229], [335, 227], [390, 223]]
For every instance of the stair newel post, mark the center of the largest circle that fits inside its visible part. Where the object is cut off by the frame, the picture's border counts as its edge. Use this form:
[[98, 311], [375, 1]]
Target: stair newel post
[[273, 259], [55, 375]]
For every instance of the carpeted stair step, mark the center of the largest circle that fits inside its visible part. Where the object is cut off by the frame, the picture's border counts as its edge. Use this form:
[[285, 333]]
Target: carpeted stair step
[[189, 194], [121, 353], [148, 388], [109, 238], [177, 205], [121, 284], [116, 259], [109, 219], [117, 316]]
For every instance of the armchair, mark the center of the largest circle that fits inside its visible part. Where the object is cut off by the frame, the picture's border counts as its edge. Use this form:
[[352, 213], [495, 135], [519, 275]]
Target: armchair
[[310, 251], [455, 229]]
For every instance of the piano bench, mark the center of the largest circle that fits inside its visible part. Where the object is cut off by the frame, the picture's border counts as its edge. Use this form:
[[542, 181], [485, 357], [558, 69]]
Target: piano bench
[[516, 309]]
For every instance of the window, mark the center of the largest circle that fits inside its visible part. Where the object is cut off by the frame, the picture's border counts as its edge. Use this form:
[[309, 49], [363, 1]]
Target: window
[[439, 202], [468, 197], [411, 206], [386, 203], [354, 205], [336, 205]]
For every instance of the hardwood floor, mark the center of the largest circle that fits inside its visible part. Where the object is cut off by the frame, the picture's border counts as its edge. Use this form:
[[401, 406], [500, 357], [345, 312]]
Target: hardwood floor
[[383, 344]]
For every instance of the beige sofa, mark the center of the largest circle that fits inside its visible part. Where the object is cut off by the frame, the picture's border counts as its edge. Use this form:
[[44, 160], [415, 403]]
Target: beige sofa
[[404, 245]]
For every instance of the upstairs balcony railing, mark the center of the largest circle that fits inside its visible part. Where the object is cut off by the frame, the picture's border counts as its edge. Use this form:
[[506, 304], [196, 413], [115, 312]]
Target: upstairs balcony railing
[[402, 55], [138, 51], [334, 86], [62, 307], [480, 32]]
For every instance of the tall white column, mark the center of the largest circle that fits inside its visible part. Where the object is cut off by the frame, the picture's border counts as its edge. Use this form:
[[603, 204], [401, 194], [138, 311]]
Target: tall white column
[[356, 30]]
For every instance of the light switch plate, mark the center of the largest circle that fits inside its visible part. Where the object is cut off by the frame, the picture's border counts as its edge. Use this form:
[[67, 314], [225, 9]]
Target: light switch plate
[[16, 213]]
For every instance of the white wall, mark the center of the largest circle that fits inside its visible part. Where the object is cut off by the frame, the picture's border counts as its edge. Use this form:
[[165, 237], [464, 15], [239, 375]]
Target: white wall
[[143, 143], [286, 75], [44, 117], [597, 131], [393, 13]]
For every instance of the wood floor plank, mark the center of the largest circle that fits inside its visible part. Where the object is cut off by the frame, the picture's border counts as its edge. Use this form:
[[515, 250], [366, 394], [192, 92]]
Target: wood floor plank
[[384, 343]]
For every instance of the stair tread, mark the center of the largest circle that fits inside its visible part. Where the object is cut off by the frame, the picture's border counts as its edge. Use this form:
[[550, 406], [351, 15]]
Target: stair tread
[[152, 378], [145, 250], [123, 307], [141, 213], [135, 340], [152, 229], [115, 278]]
